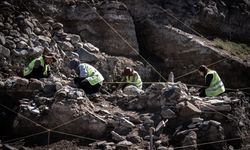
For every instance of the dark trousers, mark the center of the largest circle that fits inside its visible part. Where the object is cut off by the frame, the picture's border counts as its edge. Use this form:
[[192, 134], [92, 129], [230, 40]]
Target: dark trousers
[[36, 73], [202, 92], [86, 86]]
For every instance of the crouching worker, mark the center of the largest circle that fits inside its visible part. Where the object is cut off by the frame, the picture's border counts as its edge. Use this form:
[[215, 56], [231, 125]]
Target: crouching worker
[[39, 67], [213, 84], [89, 79], [130, 77]]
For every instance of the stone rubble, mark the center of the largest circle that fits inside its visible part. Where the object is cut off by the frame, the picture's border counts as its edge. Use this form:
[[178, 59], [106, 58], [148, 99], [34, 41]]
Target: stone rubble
[[163, 116]]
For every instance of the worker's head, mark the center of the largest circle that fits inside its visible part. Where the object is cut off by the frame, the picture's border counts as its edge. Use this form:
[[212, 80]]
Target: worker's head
[[73, 64], [203, 70], [50, 59], [127, 71]]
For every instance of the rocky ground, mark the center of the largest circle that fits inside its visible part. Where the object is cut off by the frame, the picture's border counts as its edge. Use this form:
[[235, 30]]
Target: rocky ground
[[52, 113]]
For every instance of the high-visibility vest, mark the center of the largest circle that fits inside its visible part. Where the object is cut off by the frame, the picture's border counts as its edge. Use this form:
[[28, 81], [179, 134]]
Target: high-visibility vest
[[29, 69], [93, 75], [135, 79], [216, 86]]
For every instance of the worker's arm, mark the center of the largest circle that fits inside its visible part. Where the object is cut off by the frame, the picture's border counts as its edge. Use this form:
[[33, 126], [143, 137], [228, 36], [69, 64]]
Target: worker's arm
[[136, 78], [207, 83], [83, 73], [208, 80], [48, 72], [37, 64], [121, 84]]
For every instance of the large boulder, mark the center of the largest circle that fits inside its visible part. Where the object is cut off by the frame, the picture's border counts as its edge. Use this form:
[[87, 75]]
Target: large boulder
[[86, 56], [82, 19]]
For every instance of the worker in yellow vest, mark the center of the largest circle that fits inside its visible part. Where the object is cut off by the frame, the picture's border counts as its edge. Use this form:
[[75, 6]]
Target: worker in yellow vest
[[89, 79], [39, 67], [213, 84], [130, 77]]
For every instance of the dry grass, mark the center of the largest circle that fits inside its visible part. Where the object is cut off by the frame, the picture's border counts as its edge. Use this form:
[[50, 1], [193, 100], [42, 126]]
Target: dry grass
[[238, 49]]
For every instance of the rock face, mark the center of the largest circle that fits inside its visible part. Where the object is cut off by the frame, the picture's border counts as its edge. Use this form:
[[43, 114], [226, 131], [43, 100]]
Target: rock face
[[82, 19], [211, 18], [176, 48]]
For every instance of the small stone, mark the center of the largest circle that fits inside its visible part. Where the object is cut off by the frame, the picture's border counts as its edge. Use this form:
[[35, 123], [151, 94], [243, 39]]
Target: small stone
[[190, 140], [215, 123], [36, 85], [161, 125], [37, 30], [196, 120], [46, 33], [8, 26], [162, 148], [86, 56], [134, 139], [101, 143], [6, 4], [37, 51], [191, 126], [22, 45], [58, 85], [27, 30], [19, 18], [171, 77], [49, 88], [187, 109], [57, 25], [16, 40], [44, 39], [1, 25], [50, 21], [74, 39], [90, 47], [124, 144], [20, 52], [127, 123], [167, 113], [66, 46], [47, 26], [4, 51], [132, 90], [117, 137], [74, 55], [29, 24], [47, 18], [10, 44], [22, 81], [14, 33], [2, 39], [25, 148]]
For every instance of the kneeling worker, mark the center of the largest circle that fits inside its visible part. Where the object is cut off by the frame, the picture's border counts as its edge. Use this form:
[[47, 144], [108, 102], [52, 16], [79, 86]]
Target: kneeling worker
[[39, 67], [89, 79], [130, 77], [213, 84]]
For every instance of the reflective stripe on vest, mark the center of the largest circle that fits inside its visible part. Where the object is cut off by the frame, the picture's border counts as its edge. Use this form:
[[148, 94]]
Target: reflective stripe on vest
[[135, 79], [93, 75], [216, 86], [29, 69]]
